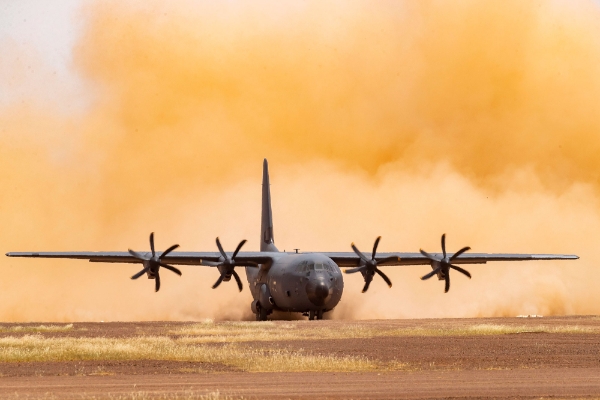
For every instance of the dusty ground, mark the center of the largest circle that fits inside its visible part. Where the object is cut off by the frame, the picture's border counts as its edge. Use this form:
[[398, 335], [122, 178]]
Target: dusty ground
[[434, 362]]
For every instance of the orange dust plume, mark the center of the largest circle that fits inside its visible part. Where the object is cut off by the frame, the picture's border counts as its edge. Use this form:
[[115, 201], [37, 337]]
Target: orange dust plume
[[402, 119]]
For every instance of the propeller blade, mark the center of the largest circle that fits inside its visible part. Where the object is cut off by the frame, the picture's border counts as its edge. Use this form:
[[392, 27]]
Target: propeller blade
[[137, 255], [218, 282], [237, 250], [221, 249], [142, 272], [167, 251], [429, 275], [358, 253], [170, 268], [384, 276], [388, 259], [366, 287], [353, 270], [238, 280], [152, 244], [458, 253], [462, 271], [447, 283], [430, 256], [157, 282], [375, 245], [444, 244]]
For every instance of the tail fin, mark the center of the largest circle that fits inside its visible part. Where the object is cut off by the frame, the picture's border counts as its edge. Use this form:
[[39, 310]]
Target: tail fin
[[267, 240]]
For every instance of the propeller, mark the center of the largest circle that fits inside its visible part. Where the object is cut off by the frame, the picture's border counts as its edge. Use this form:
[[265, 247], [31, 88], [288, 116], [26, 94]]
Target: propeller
[[152, 263], [227, 265], [444, 263], [368, 266]]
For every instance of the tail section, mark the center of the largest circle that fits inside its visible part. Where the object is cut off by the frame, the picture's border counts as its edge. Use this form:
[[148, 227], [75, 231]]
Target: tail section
[[267, 240]]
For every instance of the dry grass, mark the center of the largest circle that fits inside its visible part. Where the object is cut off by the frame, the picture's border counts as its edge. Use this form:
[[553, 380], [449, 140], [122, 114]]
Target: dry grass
[[490, 329], [34, 329], [139, 395], [38, 348], [223, 343], [230, 332], [184, 395]]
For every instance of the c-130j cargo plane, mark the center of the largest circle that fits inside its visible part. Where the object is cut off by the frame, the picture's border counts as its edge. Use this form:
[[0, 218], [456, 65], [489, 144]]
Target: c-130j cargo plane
[[309, 283]]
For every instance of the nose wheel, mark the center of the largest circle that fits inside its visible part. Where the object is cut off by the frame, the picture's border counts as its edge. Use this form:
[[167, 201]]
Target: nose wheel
[[312, 315]]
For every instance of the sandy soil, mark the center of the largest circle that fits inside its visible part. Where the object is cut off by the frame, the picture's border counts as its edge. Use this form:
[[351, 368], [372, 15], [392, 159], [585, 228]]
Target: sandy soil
[[523, 365]]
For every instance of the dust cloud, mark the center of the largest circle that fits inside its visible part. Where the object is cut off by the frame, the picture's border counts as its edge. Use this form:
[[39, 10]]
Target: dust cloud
[[400, 119]]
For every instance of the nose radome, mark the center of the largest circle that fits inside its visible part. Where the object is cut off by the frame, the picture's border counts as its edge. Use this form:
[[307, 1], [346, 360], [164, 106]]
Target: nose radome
[[319, 292]]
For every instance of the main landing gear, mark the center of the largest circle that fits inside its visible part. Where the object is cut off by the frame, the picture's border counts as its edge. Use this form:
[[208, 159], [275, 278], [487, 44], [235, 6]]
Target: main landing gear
[[261, 312]]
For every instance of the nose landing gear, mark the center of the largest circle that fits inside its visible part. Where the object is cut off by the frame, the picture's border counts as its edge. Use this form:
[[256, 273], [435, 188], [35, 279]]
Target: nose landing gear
[[312, 315]]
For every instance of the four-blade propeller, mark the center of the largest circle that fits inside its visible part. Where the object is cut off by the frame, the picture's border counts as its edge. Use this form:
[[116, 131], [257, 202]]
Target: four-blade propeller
[[443, 264], [227, 265], [368, 267], [152, 263]]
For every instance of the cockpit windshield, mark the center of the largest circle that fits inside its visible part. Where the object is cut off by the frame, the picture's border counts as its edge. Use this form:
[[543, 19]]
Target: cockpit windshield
[[307, 266]]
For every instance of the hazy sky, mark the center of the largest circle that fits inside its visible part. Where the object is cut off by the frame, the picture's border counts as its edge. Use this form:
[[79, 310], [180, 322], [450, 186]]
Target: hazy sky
[[402, 119]]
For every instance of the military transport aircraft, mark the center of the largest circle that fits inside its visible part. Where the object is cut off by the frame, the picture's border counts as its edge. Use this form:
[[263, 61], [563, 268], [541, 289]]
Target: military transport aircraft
[[305, 282]]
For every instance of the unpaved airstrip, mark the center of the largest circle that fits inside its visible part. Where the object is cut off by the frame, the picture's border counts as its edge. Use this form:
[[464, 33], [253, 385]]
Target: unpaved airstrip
[[376, 359]]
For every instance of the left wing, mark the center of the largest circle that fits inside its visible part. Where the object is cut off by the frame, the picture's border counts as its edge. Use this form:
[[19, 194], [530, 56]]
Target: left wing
[[350, 259]]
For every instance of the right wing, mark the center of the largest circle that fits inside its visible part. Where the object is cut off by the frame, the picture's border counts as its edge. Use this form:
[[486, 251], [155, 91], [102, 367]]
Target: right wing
[[175, 257]]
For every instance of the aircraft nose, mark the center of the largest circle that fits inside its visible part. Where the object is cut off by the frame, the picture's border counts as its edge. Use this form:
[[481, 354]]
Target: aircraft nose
[[319, 292]]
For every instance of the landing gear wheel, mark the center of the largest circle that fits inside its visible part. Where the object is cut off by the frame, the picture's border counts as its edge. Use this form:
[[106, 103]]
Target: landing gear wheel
[[320, 314], [262, 313], [311, 315]]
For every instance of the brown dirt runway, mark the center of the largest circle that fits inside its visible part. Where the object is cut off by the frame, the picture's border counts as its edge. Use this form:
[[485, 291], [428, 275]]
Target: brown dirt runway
[[392, 385], [527, 358]]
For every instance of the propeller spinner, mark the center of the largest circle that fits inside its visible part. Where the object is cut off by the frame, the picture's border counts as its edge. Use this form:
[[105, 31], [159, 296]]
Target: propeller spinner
[[153, 263], [368, 267], [227, 265], [444, 263]]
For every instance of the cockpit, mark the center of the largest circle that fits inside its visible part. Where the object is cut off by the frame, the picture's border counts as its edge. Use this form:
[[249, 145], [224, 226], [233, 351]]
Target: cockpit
[[307, 266]]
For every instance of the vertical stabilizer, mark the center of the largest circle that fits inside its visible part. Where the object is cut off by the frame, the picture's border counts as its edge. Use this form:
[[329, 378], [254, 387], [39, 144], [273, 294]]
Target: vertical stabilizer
[[267, 240]]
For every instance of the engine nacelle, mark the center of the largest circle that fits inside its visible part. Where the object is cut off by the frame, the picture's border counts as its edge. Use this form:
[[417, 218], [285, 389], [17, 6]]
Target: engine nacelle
[[440, 274]]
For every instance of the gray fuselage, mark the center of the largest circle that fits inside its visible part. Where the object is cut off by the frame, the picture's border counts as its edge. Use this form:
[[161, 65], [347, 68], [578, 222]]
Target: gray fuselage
[[297, 282]]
